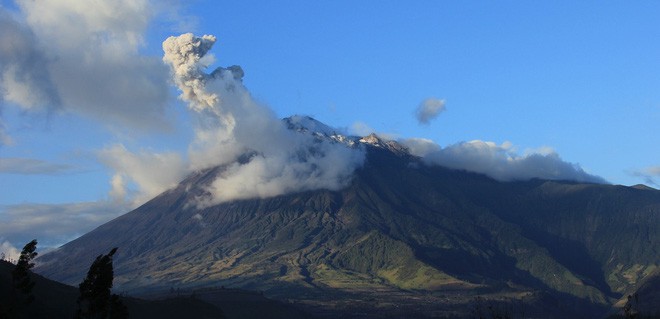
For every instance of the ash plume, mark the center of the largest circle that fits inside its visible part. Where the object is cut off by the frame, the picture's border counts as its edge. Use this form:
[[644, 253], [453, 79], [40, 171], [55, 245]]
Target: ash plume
[[232, 124]]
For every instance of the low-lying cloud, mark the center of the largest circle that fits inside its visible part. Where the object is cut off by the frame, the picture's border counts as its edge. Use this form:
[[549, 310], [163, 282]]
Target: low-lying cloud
[[500, 162], [54, 224], [8, 251], [233, 124]]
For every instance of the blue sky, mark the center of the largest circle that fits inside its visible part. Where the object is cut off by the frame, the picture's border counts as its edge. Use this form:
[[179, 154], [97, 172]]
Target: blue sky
[[580, 78]]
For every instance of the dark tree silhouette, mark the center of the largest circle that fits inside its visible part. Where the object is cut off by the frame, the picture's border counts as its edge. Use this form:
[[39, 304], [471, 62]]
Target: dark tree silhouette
[[95, 300], [21, 296], [630, 308], [21, 273]]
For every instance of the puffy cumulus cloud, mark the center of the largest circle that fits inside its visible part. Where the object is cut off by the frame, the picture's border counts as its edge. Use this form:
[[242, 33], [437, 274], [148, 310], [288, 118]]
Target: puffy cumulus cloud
[[151, 173], [8, 251], [651, 175], [31, 166], [429, 109], [500, 162], [232, 125], [83, 57], [54, 224]]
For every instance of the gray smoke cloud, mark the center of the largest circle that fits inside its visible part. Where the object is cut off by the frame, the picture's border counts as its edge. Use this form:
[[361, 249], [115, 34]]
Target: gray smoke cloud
[[429, 109], [233, 124], [500, 162], [24, 76], [82, 57]]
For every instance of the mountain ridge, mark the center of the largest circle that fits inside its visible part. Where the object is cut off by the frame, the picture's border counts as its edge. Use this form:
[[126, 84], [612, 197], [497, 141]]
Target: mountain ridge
[[400, 227]]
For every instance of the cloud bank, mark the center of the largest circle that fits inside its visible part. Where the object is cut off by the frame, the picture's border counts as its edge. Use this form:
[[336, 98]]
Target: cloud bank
[[429, 109], [82, 57], [500, 162], [232, 125]]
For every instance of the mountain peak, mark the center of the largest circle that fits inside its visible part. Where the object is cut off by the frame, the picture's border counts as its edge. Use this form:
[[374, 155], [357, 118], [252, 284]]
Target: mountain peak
[[391, 145], [643, 187], [307, 124], [397, 232], [303, 123]]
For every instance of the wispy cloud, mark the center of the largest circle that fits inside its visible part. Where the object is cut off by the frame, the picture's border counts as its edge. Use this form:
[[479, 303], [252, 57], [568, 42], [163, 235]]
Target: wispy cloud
[[55, 224], [31, 166], [5, 138], [651, 175]]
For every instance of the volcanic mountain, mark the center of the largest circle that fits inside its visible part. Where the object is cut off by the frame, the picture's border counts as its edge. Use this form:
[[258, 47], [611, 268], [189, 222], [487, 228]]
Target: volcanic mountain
[[401, 235]]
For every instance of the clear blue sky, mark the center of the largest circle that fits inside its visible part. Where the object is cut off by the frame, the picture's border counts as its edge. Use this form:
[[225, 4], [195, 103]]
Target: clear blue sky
[[582, 78]]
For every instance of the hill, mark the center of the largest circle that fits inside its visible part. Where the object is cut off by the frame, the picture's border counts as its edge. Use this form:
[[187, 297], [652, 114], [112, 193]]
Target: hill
[[56, 300], [402, 238]]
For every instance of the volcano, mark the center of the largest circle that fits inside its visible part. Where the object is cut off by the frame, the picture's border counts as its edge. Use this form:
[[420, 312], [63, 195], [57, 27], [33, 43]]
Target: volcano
[[403, 237]]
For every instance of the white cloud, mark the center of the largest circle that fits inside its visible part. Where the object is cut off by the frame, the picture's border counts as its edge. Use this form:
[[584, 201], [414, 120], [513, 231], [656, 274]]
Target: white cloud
[[233, 124], [429, 109], [8, 251], [31, 166], [151, 172], [420, 146], [83, 57], [500, 162]]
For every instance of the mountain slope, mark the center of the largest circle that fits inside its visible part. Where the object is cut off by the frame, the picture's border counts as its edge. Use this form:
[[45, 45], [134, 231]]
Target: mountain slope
[[400, 228]]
